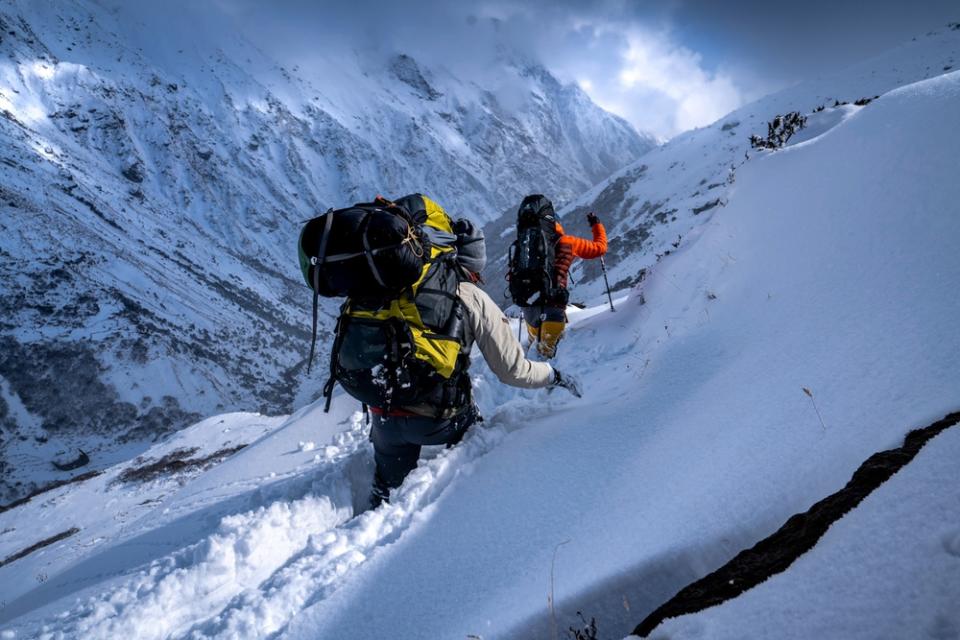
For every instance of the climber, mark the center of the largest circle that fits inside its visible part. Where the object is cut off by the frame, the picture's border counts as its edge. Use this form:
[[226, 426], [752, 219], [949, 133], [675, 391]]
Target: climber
[[539, 266]]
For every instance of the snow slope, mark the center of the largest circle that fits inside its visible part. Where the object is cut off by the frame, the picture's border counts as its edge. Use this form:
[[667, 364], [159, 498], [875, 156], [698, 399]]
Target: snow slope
[[651, 205], [901, 546], [153, 189], [696, 437], [832, 267]]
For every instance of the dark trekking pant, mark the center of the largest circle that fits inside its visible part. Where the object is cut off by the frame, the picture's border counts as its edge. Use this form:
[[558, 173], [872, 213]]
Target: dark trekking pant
[[397, 441]]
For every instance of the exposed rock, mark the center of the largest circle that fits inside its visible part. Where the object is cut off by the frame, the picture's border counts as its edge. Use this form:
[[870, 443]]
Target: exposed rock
[[46, 542], [705, 207], [407, 71], [177, 461], [81, 460], [134, 172], [798, 535]]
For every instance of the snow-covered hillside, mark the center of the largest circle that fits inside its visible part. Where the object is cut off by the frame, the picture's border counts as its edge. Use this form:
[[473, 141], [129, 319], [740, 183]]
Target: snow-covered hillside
[[650, 206], [832, 268], [156, 168]]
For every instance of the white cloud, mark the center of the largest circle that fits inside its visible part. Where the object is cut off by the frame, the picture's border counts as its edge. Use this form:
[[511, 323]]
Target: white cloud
[[656, 84], [652, 62]]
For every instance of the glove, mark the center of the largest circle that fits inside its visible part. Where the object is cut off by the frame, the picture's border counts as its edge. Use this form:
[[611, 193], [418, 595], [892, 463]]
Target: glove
[[463, 227], [592, 218], [566, 381]]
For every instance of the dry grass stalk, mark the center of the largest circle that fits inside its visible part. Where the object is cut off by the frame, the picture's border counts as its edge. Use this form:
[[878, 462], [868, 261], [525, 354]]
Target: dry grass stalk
[[815, 408], [554, 629]]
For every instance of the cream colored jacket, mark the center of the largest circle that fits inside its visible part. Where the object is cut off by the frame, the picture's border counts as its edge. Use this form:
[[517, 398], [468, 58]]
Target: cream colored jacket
[[490, 329]]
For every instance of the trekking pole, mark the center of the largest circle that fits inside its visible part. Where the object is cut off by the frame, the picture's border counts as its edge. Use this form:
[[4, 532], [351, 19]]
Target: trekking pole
[[603, 265]]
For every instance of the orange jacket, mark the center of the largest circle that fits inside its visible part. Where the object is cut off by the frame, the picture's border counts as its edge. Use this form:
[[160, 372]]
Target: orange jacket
[[570, 247]]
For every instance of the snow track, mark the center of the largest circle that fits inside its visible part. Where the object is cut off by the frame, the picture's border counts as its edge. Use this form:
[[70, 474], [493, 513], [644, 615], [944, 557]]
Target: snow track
[[259, 567], [169, 596], [172, 593], [331, 556]]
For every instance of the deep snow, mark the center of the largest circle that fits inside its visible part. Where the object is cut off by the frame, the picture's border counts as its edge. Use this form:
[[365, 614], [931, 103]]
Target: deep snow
[[833, 267], [901, 547]]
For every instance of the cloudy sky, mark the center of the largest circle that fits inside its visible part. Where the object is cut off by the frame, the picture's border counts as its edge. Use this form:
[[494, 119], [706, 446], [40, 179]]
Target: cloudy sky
[[664, 65]]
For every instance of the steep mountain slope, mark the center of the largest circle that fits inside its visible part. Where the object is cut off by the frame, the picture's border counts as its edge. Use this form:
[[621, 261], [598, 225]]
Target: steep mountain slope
[[832, 268], [153, 189], [650, 206]]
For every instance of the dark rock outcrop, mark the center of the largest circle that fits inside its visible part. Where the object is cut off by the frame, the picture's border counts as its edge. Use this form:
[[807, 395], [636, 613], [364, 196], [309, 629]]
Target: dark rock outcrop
[[798, 535]]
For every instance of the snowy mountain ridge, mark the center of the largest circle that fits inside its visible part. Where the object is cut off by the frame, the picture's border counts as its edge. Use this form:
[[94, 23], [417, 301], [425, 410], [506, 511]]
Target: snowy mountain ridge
[[651, 205], [154, 188], [803, 326]]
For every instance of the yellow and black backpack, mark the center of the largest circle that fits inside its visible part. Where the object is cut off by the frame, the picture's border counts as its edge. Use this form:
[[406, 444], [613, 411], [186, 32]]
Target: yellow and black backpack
[[399, 340]]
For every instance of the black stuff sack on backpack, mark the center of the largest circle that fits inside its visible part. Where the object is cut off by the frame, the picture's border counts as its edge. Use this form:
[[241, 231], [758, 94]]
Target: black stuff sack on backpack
[[366, 251], [407, 348], [532, 256]]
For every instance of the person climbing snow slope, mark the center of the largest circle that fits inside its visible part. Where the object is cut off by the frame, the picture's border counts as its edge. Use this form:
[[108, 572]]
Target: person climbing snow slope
[[405, 353], [542, 242]]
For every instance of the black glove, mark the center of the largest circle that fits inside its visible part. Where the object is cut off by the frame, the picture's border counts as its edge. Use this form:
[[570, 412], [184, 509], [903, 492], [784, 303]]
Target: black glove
[[592, 218], [568, 382]]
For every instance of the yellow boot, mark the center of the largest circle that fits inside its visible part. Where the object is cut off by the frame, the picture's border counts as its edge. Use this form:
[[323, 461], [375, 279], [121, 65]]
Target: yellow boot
[[550, 333]]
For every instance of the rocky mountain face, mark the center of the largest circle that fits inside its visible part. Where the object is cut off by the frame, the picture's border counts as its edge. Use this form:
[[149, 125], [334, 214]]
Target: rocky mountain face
[[153, 188]]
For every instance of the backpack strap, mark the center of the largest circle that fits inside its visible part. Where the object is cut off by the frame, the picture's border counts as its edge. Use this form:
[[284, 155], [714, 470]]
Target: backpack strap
[[313, 330], [334, 355], [316, 263], [328, 392], [369, 253], [322, 253]]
